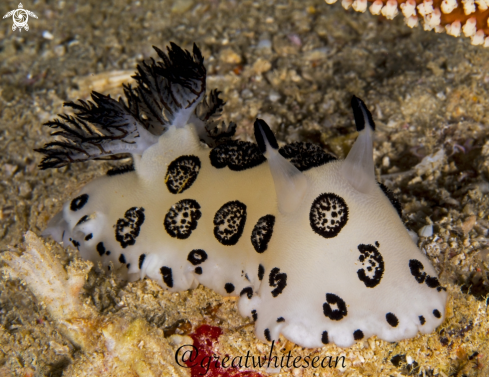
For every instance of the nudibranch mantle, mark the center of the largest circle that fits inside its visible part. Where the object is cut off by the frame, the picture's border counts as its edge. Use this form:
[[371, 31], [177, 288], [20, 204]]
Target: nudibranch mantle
[[314, 246]]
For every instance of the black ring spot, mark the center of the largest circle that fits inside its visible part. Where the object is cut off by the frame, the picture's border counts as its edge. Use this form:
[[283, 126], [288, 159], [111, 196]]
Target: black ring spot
[[436, 313], [248, 291], [324, 337], [79, 202], [373, 264], [237, 155], [335, 314], [358, 335], [182, 173], [181, 218], [391, 319], [128, 228], [167, 276], [328, 215], [305, 156], [141, 260], [229, 287], [278, 280], [197, 256], [422, 320], [229, 222], [262, 233]]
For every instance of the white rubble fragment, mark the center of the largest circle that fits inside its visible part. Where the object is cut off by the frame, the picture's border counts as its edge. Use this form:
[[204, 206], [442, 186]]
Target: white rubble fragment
[[431, 162], [426, 231]]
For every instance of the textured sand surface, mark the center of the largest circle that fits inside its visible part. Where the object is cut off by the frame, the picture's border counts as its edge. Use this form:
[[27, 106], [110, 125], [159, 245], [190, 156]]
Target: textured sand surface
[[296, 65]]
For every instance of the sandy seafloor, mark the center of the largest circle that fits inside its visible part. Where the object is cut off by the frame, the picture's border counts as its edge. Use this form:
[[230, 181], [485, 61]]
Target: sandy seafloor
[[296, 65]]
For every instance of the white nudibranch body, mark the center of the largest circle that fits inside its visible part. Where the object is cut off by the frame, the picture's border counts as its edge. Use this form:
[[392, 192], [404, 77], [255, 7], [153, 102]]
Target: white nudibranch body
[[314, 246]]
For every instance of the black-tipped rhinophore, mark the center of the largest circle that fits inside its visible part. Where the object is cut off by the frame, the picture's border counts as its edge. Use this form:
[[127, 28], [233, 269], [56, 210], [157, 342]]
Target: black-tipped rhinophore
[[361, 112], [262, 129]]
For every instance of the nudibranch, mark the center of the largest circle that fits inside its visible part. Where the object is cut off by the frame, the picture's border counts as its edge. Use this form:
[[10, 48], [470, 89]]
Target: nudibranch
[[314, 246], [467, 17]]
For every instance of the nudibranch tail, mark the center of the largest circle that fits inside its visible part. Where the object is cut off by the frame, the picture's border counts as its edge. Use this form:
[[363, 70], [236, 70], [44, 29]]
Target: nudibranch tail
[[358, 167], [290, 183]]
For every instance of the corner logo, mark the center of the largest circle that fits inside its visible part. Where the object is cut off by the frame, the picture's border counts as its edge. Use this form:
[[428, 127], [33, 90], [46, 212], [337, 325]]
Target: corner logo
[[20, 17]]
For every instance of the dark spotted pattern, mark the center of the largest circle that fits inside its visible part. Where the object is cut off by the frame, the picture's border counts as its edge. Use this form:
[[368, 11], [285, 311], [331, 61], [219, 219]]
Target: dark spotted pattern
[[248, 291], [422, 320], [267, 335], [128, 228], [89, 237], [237, 155], [75, 242], [391, 319], [261, 272], [79, 202], [167, 275], [305, 156], [280, 319], [262, 233], [181, 218], [328, 215], [324, 337], [197, 256], [278, 280], [373, 265], [334, 308], [436, 313], [229, 222], [141, 260], [229, 288], [254, 315], [182, 173], [122, 258], [198, 270], [421, 277], [100, 248], [358, 335]]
